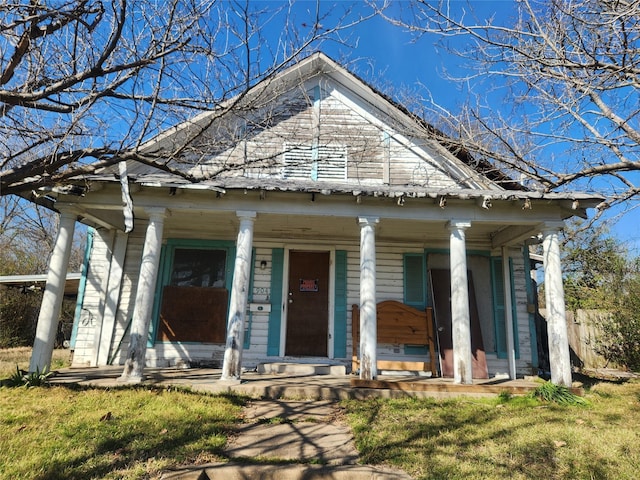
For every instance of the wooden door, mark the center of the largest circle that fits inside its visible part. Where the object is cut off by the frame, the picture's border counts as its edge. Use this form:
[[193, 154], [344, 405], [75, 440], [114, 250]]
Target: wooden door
[[308, 304], [441, 294]]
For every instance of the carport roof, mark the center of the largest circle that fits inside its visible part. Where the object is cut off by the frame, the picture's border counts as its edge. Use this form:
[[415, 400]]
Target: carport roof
[[35, 282]]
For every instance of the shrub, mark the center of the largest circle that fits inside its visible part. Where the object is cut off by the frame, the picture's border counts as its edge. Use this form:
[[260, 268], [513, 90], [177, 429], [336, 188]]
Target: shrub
[[619, 340], [550, 392], [26, 379], [18, 317]]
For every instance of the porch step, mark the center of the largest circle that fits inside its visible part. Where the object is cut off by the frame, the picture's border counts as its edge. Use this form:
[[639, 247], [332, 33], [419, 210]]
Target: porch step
[[281, 368]]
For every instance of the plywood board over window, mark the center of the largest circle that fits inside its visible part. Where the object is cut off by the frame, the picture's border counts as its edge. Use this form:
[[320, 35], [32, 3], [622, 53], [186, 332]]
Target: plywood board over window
[[193, 314], [194, 304]]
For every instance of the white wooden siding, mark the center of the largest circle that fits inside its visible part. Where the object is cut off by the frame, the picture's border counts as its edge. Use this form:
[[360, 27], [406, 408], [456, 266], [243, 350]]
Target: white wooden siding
[[375, 154], [389, 262], [523, 364], [91, 315]]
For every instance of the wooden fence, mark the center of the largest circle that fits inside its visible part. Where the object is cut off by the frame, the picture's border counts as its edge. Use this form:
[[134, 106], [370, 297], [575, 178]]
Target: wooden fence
[[583, 330]]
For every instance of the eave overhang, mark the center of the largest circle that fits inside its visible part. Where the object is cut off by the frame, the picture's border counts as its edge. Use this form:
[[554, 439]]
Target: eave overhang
[[221, 185], [571, 203]]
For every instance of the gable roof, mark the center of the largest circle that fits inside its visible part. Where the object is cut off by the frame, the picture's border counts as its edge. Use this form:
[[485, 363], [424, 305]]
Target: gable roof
[[481, 181], [478, 174]]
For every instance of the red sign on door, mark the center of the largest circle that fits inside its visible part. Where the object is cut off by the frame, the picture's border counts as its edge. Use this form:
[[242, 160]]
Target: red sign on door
[[308, 285]]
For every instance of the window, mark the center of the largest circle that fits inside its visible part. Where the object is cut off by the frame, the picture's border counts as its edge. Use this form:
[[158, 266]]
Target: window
[[415, 288], [323, 162], [194, 292], [198, 268], [415, 292]]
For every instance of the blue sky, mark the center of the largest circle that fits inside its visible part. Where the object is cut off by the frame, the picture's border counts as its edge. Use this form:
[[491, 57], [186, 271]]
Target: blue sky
[[381, 52]]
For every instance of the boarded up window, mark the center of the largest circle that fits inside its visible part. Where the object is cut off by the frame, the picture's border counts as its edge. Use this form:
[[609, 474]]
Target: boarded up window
[[324, 162], [194, 305], [193, 314]]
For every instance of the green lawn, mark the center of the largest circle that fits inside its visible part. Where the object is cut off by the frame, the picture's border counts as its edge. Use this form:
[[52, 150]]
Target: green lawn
[[134, 433], [125, 433], [518, 438]]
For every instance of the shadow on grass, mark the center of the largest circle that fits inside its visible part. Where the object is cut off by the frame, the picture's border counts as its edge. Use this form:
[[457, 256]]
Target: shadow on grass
[[451, 439], [130, 443]]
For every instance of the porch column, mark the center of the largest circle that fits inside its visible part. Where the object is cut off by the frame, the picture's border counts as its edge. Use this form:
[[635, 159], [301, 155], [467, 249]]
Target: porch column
[[145, 293], [460, 321], [104, 334], [47, 327], [508, 313], [232, 364], [559, 359], [368, 320]]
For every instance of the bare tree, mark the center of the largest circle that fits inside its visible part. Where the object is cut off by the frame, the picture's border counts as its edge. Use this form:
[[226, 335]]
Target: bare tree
[[84, 83], [566, 79], [27, 233]]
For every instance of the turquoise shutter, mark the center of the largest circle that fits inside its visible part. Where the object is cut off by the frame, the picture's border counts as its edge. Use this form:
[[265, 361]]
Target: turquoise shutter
[[497, 286], [340, 306], [414, 280], [81, 287], [163, 279], [415, 287], [531, 301], [275, 317]]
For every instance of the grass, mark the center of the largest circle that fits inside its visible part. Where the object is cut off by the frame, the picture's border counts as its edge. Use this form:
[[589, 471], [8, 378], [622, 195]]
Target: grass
[[125, 433], [20, 356], [135, 433], [505, 437]]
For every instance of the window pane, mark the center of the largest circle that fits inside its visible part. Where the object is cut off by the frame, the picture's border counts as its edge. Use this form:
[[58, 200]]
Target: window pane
[[198, 268], [414, 288]]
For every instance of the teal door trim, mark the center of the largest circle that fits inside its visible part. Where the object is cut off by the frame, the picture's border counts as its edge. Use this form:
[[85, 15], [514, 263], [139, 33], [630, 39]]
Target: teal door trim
[[275, 316], [340, 306]]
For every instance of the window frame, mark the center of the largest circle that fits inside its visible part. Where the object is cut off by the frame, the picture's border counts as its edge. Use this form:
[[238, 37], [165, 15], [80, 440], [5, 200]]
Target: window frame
[[166, 268]]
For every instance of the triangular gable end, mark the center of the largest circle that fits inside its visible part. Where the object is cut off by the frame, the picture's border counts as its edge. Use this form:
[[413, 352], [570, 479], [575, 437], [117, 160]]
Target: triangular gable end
[[314, 122]]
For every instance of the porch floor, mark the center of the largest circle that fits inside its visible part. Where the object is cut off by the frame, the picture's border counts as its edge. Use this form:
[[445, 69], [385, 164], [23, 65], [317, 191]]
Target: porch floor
[[308, 387]]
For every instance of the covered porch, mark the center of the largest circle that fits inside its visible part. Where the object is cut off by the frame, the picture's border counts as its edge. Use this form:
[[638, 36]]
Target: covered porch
[[292, 384], [362, 226]]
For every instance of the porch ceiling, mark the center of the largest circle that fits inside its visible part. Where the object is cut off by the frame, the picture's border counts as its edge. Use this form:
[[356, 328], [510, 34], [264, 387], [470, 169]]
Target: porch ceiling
[[321, 228], [323, 218]]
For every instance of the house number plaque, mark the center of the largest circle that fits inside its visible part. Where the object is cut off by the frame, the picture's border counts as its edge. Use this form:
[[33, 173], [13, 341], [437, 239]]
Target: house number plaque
[[308, 285]]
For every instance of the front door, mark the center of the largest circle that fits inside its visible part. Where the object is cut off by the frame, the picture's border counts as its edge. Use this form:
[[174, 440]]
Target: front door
[[441, 294], [308, 304]]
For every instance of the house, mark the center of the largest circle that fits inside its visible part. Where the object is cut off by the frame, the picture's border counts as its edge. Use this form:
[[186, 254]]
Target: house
[[315, 193]]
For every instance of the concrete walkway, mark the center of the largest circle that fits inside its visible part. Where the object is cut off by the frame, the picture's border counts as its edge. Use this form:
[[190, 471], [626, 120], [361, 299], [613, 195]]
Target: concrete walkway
[[290, 440]]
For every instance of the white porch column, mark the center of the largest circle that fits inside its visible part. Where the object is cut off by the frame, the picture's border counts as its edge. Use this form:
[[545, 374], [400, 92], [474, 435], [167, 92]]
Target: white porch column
[[104, 334], [368, 319], [460, 320], [232, 364], [53, 293], [145, 293], [559, 359], [508, 313]]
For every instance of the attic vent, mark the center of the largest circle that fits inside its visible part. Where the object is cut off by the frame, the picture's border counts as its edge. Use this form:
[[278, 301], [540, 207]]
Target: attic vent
[[324, 162]]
